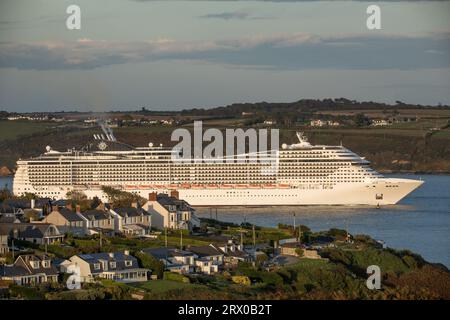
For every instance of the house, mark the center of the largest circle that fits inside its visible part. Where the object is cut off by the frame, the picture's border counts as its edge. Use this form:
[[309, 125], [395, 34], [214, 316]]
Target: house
[[19, 206], [380, 123], [233, 253], [208, 259], [39, 233], [4, 249], [30, 270], [117, 266], [175, 260], [132, 221], [171, 212], [68, 221], [290, 248], [99, 221], [324, 123]]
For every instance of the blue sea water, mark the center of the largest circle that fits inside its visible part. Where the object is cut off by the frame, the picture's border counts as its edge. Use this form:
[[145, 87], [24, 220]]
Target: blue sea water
[[420, 222]]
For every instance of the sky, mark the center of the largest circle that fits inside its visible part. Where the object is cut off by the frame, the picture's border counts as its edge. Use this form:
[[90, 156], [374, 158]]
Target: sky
[[173, 55]]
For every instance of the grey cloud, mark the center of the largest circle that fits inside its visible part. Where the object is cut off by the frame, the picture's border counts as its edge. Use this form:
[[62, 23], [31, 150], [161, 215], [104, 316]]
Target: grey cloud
[[284, 52], [227, 15]]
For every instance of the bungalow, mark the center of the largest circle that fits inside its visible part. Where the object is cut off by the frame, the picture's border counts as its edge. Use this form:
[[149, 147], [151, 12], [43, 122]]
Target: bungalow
[[30, 270], [39, 233], [208, 259], [175, 260], [117, 266], [132, 221], [171, 212], [68, 221]]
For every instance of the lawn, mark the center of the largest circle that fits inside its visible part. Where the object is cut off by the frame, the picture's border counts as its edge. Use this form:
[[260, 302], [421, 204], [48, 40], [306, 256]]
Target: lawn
[[159, 286]]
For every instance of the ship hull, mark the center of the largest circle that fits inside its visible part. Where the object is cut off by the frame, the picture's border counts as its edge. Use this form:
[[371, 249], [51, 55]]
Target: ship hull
[[384, 191]]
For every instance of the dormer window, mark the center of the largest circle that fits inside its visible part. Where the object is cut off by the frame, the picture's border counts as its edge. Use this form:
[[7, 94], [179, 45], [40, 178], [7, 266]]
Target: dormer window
[[97, 266], [112, 264], [128, 263], [34, 264], [46, 264]]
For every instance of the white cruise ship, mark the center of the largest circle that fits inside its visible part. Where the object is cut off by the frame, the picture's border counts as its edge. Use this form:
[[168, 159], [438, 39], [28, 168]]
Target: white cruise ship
[[305, 174]]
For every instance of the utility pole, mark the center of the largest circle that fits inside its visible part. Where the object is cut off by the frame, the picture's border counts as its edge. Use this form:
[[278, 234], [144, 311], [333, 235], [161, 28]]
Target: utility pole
[[165, 235], [294, 221], [181, 239], [100, 239], [254, 237], [12, 244], [300, 234]]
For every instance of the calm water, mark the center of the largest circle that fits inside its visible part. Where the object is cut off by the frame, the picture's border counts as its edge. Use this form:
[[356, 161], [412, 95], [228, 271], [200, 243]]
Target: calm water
[[420, 222]]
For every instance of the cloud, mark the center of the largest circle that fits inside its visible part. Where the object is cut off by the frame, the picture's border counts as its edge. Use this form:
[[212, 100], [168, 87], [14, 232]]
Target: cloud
[[227, 15], [282, 51]]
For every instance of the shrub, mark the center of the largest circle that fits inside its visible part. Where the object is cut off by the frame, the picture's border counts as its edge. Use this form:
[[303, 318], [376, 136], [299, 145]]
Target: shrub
[[243, 280]]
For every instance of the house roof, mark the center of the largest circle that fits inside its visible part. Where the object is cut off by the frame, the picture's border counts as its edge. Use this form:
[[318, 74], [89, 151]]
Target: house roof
[[163, 253], [96, 214], [166, 200], [131, 212], [205, 251], [23, 267], [29, 230], [118, 257], [70, 215]]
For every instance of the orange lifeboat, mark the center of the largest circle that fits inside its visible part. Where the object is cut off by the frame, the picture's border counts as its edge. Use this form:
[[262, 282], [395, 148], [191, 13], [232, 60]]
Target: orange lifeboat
[[284, 186], [241, 186]]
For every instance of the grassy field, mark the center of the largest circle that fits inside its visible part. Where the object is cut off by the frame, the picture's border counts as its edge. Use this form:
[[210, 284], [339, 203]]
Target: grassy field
[[10, 130], [159, 286]]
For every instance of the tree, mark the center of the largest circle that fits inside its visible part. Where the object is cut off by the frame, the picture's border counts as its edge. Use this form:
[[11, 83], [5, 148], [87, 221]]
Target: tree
[[120, 198], [150, 262]]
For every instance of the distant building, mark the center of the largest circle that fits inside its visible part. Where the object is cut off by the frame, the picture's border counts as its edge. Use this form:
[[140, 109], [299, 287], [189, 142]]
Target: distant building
[[99, 221], [208, 259], [270, 122], [324, 123], [39, 233], [380, 122], [30, 270], [171, 212], [132, 221], [117, 266], [175, 260], [68, 221], [4, 249]]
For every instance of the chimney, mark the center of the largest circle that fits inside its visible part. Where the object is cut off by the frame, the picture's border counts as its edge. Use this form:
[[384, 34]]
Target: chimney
[[152, 196], [111, 255], [134, 204], [126, 252], [33, 203], [69, 206], [175, 194], [54, 208], [78, 208]]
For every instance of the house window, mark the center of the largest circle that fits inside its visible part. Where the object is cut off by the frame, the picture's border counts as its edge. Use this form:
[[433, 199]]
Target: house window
[[128, 263], [97, 266], [112, 264], [46, 264], [35, 264]]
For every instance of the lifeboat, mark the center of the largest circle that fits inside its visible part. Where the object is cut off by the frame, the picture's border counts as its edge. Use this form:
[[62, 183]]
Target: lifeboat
[[173, 186], [197, 186], [254, 186], [158, 186], [241, 186], [211, 186], [185, 186], [270, 186], [226, 186], [283, 186]]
